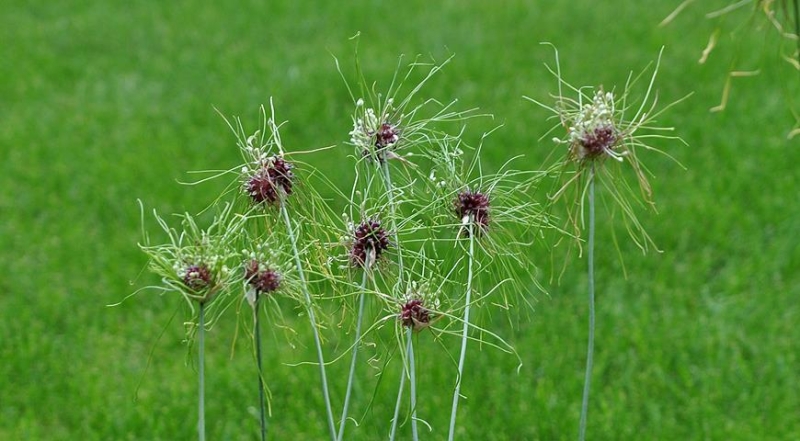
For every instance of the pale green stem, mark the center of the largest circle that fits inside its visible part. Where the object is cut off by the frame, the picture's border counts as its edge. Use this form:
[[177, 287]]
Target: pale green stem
[[201, 402], [590, 351], [464, 333], [393, 215], [312, 320], [261, 400], [397, 405], [356, 342], [413, 375]]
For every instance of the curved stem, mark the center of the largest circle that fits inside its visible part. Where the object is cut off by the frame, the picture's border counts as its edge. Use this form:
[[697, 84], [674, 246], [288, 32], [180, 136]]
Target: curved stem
[[590, 351], [412, 367], [464, 333], [261, 400], [312, 320], [201, 401], [356, 342]]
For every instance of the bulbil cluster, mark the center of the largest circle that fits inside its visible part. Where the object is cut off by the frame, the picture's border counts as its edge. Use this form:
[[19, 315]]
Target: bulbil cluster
[[370, 240], [274, 176], [472, 207], [414, 314], [262, 280], [197, 277]]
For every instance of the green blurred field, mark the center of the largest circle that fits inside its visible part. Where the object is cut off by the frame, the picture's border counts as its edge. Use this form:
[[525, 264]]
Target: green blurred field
[[101, 104]]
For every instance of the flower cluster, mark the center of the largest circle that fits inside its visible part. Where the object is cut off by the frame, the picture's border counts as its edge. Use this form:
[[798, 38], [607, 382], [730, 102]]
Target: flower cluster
[[373, 134], [413, 314], [197, 277], [370, 240], [592, 133], [274, 176], [261, 278], [472, 206]]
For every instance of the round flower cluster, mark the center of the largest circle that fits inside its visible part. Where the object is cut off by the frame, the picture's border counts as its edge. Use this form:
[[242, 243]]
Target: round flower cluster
[[413, 314], [369, 239], [261, 280], [275, 174], [197, 277], [592, 132], [474, 206]]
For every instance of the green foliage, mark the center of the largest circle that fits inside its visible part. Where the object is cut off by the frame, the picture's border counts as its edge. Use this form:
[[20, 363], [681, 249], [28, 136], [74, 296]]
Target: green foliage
[[103, 104]]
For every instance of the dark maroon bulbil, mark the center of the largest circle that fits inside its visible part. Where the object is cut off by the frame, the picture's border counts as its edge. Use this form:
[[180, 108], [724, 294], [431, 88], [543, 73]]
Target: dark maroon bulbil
[[371, 239], [413, 314], [275, 175], [476, 206], [263, 281]]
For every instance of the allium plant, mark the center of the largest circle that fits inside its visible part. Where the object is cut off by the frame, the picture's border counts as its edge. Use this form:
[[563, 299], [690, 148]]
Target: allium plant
[[493, 222], [200, 265], [603, 132], [392, 125], [268, 183]]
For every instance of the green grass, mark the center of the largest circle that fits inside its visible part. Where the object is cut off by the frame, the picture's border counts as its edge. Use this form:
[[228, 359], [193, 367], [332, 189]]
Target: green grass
[[101, 104]]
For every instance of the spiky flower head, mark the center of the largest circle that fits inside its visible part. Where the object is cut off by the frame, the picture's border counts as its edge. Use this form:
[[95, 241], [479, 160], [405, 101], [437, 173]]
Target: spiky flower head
[[592, 134], [370, 240], [197, 277], [413, 314], [261, 278], [271, 182], [472, 206], [601, 124], [374, 135]]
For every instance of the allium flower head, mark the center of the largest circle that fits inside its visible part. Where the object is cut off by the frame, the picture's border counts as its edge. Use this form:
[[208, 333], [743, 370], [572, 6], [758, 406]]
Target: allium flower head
[[593, 134], [262, 279], [472, 206], [386, 122], [197, 277], [271, 182], [414, 314], [600, 124], [195, 262], [370, 240]]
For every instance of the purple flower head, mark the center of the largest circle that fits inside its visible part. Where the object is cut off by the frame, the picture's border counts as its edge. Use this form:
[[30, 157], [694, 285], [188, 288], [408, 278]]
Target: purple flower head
[[262, 280], [413, 314], [197, 277], [369, 239], [474, 206], [275, 175], [598, 141]]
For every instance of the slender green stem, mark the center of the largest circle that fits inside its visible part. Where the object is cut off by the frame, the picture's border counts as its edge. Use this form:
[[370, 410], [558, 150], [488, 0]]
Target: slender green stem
[[261, 398], [397, 406], [201, 402], [357, 341], [387, 179], [464, 333], [312, 320], [590, 351], [412, 368]]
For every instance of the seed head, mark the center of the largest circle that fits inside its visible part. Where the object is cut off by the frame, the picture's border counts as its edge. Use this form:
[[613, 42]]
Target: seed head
[[596, 142], [274, 175], [475, 206], [197, 277], [369, 239], [262, 280], [386, 135], [413, 314]]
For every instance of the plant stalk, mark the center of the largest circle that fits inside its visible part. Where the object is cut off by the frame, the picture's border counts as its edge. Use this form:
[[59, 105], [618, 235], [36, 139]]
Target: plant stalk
[[397, 406], [312, 320], [412, 367], [357, 340], [464, 333], [261, 398], [201, 401], [590, 351]]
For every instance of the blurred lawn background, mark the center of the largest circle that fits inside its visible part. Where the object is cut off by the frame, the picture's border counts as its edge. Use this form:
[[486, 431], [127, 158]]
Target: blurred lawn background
[[102, 103]]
